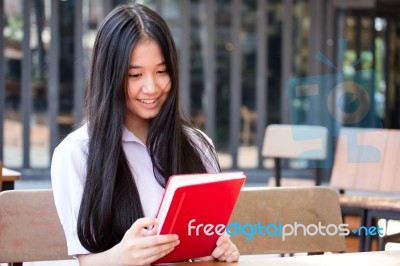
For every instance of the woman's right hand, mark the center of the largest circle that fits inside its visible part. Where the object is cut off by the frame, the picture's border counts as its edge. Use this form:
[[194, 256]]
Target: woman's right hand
[[139, 246]]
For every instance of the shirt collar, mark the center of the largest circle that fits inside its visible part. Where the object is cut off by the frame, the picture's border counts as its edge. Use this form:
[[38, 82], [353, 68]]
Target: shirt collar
[[128, 136]]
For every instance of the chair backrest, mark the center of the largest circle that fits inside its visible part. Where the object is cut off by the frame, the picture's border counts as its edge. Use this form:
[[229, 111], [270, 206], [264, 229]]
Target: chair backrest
[[367, 160], [30, 229], [295, 142], [308, 142], [280, 208]]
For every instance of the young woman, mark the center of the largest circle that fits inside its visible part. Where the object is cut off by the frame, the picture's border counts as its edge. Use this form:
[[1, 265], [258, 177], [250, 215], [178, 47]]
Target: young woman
[[109, 175]]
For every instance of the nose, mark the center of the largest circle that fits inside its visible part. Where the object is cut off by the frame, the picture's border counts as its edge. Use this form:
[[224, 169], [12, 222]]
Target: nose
[[150, 85]]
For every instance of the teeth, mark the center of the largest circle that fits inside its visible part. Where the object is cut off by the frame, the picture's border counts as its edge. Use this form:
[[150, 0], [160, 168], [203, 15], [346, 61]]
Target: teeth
[[148, 101]]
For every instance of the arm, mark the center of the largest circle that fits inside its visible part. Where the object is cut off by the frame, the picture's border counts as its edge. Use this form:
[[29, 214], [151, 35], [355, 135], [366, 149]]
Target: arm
[[68, 172], [139, 246]]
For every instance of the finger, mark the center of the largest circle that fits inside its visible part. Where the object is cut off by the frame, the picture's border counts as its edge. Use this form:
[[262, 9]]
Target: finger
[[223, 239], [233, 257], [229, 252], [221, 252], [150, 231], [218, 252], [232, 254], [147, 232], [156, 240], [140, 224], [153, 253], [206, 258], [154, 229], [151, 259]]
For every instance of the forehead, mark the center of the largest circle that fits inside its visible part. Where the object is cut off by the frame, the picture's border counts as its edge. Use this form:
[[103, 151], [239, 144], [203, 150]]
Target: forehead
[[146, 52]]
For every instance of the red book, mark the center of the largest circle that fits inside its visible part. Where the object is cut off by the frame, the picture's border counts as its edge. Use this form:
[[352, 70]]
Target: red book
[[197, 207]]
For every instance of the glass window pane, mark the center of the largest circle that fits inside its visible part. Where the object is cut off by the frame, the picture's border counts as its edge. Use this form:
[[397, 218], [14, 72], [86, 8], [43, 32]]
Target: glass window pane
[[13, 35], [40, 43]]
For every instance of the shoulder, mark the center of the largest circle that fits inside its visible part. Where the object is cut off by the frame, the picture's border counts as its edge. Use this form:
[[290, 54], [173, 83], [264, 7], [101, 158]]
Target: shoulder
[[79, 134], [68, 163], [75, 142]]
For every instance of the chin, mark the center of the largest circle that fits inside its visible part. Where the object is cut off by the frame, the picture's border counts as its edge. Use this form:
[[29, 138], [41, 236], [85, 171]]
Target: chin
[[149, 116]]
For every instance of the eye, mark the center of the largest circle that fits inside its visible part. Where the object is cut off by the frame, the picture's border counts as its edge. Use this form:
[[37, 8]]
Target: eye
[[135, 75], [162, 72]]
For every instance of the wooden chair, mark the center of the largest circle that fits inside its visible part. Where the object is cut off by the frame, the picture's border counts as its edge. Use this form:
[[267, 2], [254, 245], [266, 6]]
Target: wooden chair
[[367, 162], [30, 229], [301, 205], [294, 142]]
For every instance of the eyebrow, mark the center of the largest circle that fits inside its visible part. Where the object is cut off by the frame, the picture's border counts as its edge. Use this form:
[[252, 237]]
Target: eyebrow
[[134, 67]]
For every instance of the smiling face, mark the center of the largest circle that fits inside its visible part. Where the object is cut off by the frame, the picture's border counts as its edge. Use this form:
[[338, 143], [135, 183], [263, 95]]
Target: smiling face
[[148, 84]]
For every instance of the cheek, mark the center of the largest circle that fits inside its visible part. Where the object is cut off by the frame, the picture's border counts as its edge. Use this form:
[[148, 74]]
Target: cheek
[[167, 87], [164, 83], [130, 96], [131, 91]]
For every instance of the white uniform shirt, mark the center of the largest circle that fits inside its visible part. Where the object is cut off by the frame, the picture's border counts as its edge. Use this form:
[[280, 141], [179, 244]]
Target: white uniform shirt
[[68, 175]]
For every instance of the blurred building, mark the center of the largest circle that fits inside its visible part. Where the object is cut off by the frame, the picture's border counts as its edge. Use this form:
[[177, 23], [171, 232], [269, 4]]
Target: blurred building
[[244, 65]]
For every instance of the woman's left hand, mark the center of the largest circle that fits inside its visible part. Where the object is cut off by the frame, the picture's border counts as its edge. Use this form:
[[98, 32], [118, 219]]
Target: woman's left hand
[[225, 250]]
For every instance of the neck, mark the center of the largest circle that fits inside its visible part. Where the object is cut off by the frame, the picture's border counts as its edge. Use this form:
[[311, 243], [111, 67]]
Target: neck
[[139, 127]]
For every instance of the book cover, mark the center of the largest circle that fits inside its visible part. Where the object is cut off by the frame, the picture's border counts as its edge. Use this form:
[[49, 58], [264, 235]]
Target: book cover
[[197, 207]]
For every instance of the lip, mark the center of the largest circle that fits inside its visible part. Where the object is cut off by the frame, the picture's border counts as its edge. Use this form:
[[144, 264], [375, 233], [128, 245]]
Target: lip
[[149, 103]]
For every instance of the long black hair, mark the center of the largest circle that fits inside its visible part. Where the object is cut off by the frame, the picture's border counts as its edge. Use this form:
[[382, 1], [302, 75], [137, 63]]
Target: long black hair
[[110, 202]]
